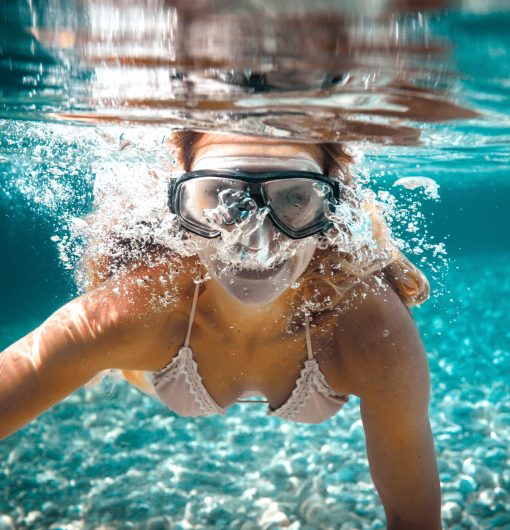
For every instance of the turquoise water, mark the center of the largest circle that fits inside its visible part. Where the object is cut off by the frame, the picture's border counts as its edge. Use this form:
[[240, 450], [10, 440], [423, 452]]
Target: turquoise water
[[110, 458]]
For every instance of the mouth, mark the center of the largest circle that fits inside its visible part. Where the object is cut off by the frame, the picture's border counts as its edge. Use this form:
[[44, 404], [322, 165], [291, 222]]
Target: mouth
[[257, 273]]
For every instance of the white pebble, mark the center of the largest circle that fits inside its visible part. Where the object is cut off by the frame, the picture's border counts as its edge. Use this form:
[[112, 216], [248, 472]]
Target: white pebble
[[6, 523], [273, 515], [356, 430], [467, 484], [451, 512]]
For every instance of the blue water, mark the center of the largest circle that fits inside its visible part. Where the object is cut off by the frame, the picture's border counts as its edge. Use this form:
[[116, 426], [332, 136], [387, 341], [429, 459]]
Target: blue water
[[110, 458]]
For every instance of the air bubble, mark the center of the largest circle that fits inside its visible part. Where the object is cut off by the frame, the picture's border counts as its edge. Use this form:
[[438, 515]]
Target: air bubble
[[430, 186]]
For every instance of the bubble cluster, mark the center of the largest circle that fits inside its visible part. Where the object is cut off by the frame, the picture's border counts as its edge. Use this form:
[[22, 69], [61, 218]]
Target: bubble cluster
[[105, 192], [405, 203]]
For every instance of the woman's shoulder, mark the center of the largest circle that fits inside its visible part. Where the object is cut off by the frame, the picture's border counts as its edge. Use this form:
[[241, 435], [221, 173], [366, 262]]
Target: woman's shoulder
[[133, 304], [376, 336], [165, 276]]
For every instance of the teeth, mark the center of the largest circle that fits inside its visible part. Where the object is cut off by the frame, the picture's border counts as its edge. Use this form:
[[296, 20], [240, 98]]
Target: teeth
[[255, 267]]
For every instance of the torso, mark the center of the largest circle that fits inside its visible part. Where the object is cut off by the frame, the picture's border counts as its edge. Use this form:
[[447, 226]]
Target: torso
[[235, 359], [235, 352]]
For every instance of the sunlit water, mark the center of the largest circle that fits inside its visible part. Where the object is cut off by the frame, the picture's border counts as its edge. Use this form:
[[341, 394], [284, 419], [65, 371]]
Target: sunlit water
[[89, 95]]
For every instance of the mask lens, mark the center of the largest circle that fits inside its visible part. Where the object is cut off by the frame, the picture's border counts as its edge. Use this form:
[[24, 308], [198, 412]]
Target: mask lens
[[201, 195], [298, 204]]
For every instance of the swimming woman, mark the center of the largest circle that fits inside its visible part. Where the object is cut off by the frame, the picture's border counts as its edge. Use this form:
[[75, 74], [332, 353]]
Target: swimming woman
[[268, 302]]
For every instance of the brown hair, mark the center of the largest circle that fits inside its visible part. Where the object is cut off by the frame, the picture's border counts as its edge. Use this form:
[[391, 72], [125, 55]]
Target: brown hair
[[185, 141], [334, 156]]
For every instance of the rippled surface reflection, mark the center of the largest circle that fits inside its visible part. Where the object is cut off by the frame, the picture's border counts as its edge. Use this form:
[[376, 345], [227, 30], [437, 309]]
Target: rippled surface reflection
[[340, 72]]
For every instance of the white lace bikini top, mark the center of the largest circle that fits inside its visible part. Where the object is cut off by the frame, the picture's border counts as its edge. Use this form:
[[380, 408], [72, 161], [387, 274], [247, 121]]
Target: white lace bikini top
[[180, 387]]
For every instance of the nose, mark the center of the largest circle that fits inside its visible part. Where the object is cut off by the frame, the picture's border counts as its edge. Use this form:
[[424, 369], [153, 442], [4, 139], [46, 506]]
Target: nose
[[263, 237]]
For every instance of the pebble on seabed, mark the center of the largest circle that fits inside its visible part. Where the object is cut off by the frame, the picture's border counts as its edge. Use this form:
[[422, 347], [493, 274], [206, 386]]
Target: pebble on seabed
[[451, 512], [6, 523]]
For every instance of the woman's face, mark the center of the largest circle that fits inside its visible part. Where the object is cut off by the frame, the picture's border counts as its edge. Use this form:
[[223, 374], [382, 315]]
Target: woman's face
[[255, 263]]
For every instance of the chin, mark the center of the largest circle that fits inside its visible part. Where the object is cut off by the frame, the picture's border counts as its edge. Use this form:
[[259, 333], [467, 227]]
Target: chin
[[256, 288]]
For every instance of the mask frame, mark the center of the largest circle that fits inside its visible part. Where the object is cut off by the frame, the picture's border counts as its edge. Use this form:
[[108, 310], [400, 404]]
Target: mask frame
[[255, 181]]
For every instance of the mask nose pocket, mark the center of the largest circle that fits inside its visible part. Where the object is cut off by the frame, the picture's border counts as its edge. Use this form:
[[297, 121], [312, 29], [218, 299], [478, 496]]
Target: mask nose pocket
[[261, 234]]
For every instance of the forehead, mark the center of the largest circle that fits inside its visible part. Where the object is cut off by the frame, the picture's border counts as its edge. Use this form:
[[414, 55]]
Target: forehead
[[214, 144]]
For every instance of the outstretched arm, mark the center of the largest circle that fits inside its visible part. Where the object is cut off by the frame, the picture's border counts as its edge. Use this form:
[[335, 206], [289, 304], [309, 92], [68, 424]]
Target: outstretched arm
[[62, 354], [393, 383], [107, 328]]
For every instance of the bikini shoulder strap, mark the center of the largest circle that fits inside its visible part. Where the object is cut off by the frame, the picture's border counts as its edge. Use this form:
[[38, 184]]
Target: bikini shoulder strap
[[308, 337], [192, 314]]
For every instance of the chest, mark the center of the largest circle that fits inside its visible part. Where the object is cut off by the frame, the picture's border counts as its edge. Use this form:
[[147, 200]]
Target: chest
[[265, 356]]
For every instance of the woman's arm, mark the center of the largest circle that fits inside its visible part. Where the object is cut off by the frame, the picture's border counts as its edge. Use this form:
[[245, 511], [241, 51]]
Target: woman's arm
[[110, 327], [48, 364], [392, 379]]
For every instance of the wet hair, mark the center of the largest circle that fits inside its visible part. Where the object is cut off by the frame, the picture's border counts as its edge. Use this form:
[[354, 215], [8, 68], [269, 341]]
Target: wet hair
[[184, 142], [333, 157]]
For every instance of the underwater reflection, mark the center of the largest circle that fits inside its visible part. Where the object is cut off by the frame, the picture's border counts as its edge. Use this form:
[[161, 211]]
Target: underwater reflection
[[257, 67]]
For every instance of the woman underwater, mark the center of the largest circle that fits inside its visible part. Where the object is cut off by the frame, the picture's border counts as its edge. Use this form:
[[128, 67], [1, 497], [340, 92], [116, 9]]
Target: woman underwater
[[274, 297]]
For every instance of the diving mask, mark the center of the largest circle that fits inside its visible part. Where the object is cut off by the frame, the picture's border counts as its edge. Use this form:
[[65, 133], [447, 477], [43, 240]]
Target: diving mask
[[296, 201]]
